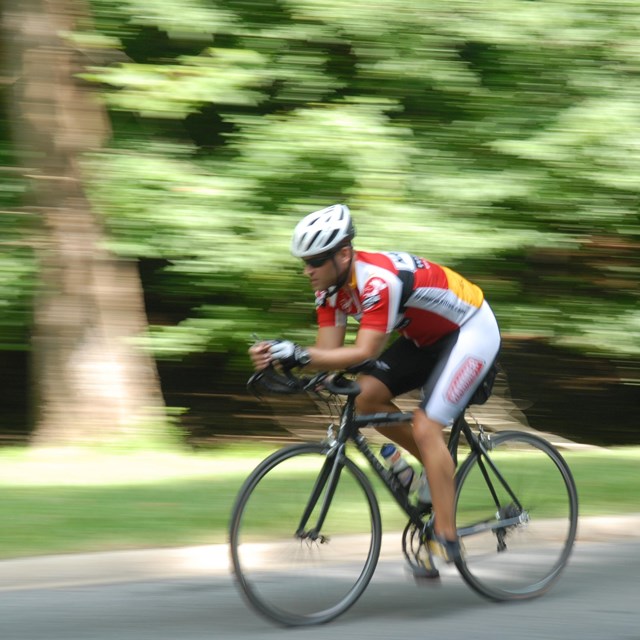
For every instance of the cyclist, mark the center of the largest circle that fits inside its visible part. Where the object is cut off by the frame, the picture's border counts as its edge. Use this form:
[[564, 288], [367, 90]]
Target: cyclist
[[449, 339]]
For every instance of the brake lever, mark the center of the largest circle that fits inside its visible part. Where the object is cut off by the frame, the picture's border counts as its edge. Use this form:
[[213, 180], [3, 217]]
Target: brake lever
[[252, 384], [311, 383]]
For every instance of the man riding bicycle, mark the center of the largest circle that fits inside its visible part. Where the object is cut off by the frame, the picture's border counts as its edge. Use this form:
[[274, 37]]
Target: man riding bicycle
[[449, 339]]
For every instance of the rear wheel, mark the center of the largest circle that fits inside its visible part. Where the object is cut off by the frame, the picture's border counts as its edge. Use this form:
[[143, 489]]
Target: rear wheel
[[303, 577], [517, 521]]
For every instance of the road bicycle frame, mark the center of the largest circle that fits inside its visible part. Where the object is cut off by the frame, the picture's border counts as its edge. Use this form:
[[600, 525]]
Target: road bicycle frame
[[349, 430]]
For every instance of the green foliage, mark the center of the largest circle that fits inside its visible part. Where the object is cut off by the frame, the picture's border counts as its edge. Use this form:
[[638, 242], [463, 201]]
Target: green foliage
[[498, 138]]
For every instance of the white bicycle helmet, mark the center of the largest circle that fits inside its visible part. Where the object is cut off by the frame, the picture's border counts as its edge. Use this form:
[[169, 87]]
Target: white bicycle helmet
[[322, 231]]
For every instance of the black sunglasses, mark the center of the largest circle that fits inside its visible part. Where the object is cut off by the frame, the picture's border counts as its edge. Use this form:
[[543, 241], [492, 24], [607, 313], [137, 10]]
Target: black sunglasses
[[317, 261]]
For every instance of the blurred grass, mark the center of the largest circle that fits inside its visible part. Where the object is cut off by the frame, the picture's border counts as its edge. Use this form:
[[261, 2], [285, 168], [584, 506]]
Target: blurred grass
[[65, 502]]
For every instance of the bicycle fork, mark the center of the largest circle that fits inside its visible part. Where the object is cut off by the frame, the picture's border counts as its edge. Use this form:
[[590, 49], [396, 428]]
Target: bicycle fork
[[324, 488]]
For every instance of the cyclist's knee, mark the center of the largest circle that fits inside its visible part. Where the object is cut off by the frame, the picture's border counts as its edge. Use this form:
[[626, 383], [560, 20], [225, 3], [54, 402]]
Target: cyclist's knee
[[425, 429], [374, 395]]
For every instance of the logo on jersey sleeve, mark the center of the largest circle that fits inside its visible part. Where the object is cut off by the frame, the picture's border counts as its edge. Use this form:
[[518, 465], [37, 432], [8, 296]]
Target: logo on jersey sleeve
[[371, 294], [466, 375]]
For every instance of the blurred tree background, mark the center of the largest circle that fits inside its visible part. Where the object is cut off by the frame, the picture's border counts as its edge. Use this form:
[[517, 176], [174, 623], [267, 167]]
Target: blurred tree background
[[498, 138]]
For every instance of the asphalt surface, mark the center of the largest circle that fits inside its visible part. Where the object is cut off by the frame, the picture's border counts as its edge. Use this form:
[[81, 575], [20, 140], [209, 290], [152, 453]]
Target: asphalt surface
[[188, 593]]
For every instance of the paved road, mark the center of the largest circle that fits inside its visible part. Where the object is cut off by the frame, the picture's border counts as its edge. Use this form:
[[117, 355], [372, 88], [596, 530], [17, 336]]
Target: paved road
[[187, 594]]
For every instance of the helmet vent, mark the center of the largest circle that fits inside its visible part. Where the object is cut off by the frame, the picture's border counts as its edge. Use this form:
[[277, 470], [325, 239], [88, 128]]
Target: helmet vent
[[322, 231]]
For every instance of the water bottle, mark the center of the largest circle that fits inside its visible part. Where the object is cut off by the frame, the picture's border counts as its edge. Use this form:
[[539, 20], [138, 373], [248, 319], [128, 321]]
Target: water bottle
[[400, 468], [424, 493]]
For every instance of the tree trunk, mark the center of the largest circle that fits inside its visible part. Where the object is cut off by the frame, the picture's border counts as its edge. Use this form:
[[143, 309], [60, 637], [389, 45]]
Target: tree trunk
[[91, 383]]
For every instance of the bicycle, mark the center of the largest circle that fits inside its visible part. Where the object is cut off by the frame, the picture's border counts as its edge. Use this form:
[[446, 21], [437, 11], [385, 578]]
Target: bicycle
[[306, 529]]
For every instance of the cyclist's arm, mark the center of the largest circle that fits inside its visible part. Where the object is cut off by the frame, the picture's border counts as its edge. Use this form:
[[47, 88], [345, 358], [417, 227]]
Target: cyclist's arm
[[330, 337], [325, 355], [327, 339]]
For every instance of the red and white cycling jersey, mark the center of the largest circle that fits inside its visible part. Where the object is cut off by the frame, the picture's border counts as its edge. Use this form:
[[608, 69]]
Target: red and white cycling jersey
[[439, 300]]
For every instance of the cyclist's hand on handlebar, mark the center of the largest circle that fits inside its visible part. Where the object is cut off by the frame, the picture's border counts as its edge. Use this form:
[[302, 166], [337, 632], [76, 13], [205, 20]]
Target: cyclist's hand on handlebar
[[286, 353], [260, 354], [289, 354]]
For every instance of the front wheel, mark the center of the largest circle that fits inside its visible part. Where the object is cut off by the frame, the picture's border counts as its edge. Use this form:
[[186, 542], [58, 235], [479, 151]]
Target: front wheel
[[289, 570], [516, 515]]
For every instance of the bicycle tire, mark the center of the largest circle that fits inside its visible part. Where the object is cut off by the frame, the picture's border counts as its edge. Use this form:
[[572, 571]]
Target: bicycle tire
[[296, 582], [525, 557]]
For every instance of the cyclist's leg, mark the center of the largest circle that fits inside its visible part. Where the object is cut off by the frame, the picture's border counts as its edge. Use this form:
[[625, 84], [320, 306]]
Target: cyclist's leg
[[377, 398], [438, 463], [463, 364], [408, 367]]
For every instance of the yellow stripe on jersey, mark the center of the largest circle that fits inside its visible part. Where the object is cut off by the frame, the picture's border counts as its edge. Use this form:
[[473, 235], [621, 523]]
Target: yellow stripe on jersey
[[465, 290]]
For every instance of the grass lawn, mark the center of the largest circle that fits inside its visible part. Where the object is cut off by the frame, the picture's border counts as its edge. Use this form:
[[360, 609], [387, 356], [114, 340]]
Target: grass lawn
[[71, 501]]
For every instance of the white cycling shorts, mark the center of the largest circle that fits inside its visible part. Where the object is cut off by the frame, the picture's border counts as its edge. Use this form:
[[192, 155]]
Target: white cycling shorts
[[463, 367]]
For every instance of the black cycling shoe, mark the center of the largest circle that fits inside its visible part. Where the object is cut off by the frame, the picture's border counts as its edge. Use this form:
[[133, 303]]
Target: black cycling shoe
[[448, 550]]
